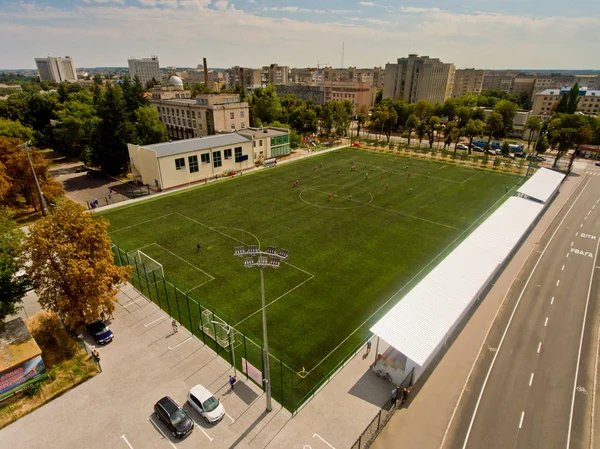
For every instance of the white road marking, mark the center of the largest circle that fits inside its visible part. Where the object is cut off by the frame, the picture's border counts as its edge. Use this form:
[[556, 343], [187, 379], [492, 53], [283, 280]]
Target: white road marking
[[576, 234], [567, 254], [320, 438], [587, 302], [176, 346], [546, 322], [513, 314], [202, 430], [572, 243], [552, 301], [563, 268], [557, 282], [134, 301], [581, 225], [585, 218], [531, 379], [232, 420], [127, 442], [589, 212], [521, 422], [155, 321], [539, 347], [161, 432]]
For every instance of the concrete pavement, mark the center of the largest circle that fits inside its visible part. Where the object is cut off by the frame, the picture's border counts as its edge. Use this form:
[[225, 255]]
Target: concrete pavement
[[424, 422]]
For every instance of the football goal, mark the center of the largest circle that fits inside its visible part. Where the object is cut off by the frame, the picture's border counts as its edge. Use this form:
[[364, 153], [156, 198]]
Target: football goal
[[146, 266], [215, 328]]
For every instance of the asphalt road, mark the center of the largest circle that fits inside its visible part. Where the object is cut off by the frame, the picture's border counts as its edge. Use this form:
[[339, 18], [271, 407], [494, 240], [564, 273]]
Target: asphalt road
[[534, 387]]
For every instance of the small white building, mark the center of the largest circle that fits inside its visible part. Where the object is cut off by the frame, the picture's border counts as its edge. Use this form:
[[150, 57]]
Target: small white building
[[172, 164]]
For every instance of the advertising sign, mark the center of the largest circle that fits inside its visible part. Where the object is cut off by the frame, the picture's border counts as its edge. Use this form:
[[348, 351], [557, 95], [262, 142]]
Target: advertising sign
[[15, 377]]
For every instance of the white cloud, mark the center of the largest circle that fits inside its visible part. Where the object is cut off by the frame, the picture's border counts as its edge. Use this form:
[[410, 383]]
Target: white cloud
[[251, 1], [417, 10], [367, 3], [147, 2], [293, 9], [116, 2], [169, 3], [221, 5]]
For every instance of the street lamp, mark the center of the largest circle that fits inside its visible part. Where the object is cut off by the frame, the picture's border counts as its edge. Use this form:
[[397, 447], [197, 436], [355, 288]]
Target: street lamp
[[229, 329], [27, 150], [271, 258]]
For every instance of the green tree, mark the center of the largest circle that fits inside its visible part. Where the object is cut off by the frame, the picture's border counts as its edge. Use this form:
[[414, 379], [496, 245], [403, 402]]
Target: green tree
[[148, 127], [494, 125], [473, 128], [505, 148], [326, 117], [433, 126], [76, 128], [16, 130], [534, 126], [361, 117], [386, 117], [72, 264], [542, 144], [507, 109], [411, 123], [341, 117], [265, 106], [12, 285], [569, 101]]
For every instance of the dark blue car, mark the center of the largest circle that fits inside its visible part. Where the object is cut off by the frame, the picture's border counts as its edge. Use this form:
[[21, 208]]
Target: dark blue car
[[101, 333]]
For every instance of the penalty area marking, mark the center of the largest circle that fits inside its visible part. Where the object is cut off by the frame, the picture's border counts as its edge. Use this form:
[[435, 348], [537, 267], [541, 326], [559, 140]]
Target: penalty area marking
[[141, 223]]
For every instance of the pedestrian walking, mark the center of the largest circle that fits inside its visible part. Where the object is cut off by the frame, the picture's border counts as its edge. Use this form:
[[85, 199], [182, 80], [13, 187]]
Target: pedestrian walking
[[403, 395], [410, 191], [506, 189], [197, 248], [428, 174], [95, 353], [232, 381], [110, 315], [110, 192], [102, 316], [394, 395], [368, 347], [174, 324]]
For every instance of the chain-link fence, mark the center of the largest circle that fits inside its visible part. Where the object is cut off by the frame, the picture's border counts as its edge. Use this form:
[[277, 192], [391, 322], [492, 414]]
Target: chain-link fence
[[376, 425]]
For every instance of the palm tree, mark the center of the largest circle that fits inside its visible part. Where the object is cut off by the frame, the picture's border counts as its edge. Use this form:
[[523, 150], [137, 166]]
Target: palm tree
[[533, 125], [432, 127], [411, 123]]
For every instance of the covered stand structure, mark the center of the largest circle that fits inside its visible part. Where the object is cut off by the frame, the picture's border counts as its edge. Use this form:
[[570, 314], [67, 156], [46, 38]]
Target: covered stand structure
[[418, 327]]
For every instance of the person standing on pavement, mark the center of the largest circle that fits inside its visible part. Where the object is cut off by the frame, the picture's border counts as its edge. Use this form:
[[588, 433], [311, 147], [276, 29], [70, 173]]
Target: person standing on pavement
[[174, 324], [368, 347], [232, 381]]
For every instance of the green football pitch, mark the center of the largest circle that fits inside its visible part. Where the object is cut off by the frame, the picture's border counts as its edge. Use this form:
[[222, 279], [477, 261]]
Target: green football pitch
[[352, 255]]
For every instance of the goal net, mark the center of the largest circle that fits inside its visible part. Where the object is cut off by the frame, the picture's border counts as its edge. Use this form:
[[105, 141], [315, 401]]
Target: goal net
[[147, 267], [215, 328]]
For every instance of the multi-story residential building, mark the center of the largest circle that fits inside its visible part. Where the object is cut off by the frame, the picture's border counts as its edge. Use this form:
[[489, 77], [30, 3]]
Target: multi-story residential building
[[173, 90], [146, 69], [201, 116], [523, 84], [305, 92], [357, 93], [467, 81], [243, 76], [545, 102], [552, 81], [305, 76], [418, 78], [275, 74], [499, 80], [167, 165], [592, 82], [372, 76], [56, 69]]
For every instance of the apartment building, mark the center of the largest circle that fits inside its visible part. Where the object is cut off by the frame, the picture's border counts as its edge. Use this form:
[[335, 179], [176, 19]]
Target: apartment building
[[355, 92], [499, 80], [146, 69], [275, 74], [552, 81], [523, 84], [418, 78], [56, 69], [467, 81], [545, 102], [372, 76], [172, 164], [173, 90], [204, 115], [246, 77], [305, 92]]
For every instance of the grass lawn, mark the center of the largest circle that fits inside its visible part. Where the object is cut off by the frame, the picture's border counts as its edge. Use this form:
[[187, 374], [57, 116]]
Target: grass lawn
[[351, 257]]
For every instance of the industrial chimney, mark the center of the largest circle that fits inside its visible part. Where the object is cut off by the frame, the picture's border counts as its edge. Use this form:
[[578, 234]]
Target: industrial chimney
[[205, 72]]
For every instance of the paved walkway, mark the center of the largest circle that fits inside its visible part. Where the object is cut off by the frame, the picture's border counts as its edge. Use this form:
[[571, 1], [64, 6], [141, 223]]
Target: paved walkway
[[424, 422]]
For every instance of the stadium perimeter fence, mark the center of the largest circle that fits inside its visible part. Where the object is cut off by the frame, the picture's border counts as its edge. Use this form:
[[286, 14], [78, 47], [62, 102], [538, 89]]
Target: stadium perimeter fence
[[289, 386]]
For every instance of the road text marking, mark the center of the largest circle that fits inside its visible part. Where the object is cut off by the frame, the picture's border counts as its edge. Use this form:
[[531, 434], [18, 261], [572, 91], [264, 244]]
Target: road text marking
[[531, 379], [582, 253], [521, 422], [587, 236]]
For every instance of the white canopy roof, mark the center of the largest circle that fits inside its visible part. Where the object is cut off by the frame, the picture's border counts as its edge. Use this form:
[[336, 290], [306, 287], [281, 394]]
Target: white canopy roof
[[542, 185], [421, 321]]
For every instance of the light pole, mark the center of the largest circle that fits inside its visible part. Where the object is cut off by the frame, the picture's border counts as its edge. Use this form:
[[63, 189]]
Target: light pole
[[229, 330], [271, 258], [26, 149]]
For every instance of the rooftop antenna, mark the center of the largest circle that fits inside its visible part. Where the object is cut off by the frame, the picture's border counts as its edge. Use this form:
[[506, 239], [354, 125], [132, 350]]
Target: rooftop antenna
[[342, 55]]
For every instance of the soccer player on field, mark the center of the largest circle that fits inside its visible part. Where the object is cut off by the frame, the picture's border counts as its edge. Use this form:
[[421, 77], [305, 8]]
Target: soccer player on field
[[330, 195], [338, 171]]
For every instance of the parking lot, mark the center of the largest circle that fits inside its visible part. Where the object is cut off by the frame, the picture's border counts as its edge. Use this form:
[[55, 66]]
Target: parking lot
[[145, 362]]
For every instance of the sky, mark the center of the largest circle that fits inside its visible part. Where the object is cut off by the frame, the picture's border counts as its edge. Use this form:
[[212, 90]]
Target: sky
[[526, 34]]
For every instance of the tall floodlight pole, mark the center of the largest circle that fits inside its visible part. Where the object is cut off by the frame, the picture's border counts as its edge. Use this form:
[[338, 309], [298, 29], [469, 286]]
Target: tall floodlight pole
[[271, 258], [27, 151]]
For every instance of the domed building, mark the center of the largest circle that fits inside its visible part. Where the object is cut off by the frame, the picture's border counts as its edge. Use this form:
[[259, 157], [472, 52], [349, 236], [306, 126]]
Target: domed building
[[176, 83]]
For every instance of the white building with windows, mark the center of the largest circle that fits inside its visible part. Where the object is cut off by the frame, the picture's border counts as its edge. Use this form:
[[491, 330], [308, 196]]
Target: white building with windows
[[173, 164], [56, 69], [145, 69]]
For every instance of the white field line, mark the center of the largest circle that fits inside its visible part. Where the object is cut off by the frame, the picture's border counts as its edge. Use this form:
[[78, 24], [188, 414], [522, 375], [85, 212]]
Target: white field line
[[141, 223], [182, 259], [587, 302], [161, 432], [321, 438], [199, 285], [126, 442], [407, 283], [208, 227], [513, 314]]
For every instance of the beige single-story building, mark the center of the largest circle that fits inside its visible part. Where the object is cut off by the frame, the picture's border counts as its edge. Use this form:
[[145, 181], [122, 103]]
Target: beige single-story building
[[171, 164]]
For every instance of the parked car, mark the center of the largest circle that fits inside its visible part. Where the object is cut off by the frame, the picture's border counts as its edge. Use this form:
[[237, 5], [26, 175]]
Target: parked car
[[462, 146], [476, 149], [174, 417], [100, 331], [598, 164], [82, 169], [490, 152], [206, 404]]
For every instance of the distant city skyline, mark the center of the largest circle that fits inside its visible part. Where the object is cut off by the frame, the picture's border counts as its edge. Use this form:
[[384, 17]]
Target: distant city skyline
[[471, 33]]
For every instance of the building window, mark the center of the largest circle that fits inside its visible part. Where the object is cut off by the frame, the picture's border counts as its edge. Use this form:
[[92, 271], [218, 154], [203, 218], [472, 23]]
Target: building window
[[232, 115], [180, 163], [200, 126], [217, 159], [254, 143], [227, 153], [260, 143], [205, 158], [233, 126], [242, 115], [238, 154], [193, 161], [243, 125]]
